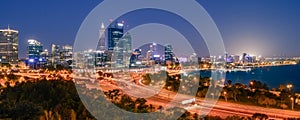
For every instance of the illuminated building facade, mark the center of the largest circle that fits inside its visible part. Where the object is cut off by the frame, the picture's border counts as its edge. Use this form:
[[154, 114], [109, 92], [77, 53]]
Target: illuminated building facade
[[9, 46], [102, 41], [100, 58], [169, 53], [34, 50], [55, 55], [135, 60], [126, 46], [114, 32], [66, 53]]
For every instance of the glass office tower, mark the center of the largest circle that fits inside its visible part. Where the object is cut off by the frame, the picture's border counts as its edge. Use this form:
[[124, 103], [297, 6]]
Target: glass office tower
[[9, 46]]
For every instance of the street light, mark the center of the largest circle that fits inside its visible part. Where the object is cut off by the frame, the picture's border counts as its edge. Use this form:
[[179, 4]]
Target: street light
[[289, 86], [251, 83], [292, 100], [252, 86]]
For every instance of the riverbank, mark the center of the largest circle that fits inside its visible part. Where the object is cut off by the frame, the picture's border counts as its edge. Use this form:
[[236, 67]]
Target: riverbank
[[274, 76]]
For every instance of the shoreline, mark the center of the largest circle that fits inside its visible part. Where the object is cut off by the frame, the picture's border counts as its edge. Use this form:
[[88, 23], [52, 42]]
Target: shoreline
[[245, 67], [276, 65], [262, 74]]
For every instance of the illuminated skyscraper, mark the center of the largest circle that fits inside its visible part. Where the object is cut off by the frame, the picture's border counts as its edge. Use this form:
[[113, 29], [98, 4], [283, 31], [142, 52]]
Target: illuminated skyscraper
[[114, 33], [45, 56], [34, 50], [66, 53], [169, 53], [100, 58], [102, 41], [89, 59], [66, 56], [135, 60], [153, 56], [126, 46], [9, 46], [55, 55], [126, 43]]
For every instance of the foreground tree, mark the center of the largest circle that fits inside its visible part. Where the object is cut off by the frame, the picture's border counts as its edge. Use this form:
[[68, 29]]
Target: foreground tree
[[259, 116]]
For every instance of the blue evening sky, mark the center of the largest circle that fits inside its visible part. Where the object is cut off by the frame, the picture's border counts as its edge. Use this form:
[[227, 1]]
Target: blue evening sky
[[261, 27]]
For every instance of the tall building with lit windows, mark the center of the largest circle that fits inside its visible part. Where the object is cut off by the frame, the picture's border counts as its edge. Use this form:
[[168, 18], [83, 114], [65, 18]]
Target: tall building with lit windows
[[66, 53], [34, 50], [135, 60], [126, 43], [126, 46], [55, 55], [45, 56], [102, 41], [9, 46], [169, 53], [100, 58], [115, 32]]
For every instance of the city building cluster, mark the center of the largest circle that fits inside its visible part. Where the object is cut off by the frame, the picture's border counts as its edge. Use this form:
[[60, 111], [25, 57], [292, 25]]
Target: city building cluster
[[37, 57], [114, 50]]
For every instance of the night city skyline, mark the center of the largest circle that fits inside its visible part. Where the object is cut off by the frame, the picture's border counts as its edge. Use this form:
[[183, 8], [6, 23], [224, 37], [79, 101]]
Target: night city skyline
[[149, 60], [256, 27]]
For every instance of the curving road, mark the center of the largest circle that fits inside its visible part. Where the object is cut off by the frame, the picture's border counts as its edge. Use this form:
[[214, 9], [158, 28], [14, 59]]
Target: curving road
[[170, 99]]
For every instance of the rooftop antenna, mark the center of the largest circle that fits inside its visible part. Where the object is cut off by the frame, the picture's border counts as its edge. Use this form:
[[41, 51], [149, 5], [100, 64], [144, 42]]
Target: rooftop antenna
[[8, 27]]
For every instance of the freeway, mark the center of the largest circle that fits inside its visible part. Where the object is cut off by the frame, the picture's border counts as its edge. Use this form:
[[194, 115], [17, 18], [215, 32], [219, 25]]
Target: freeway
[[168, 99], [40, 75]]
